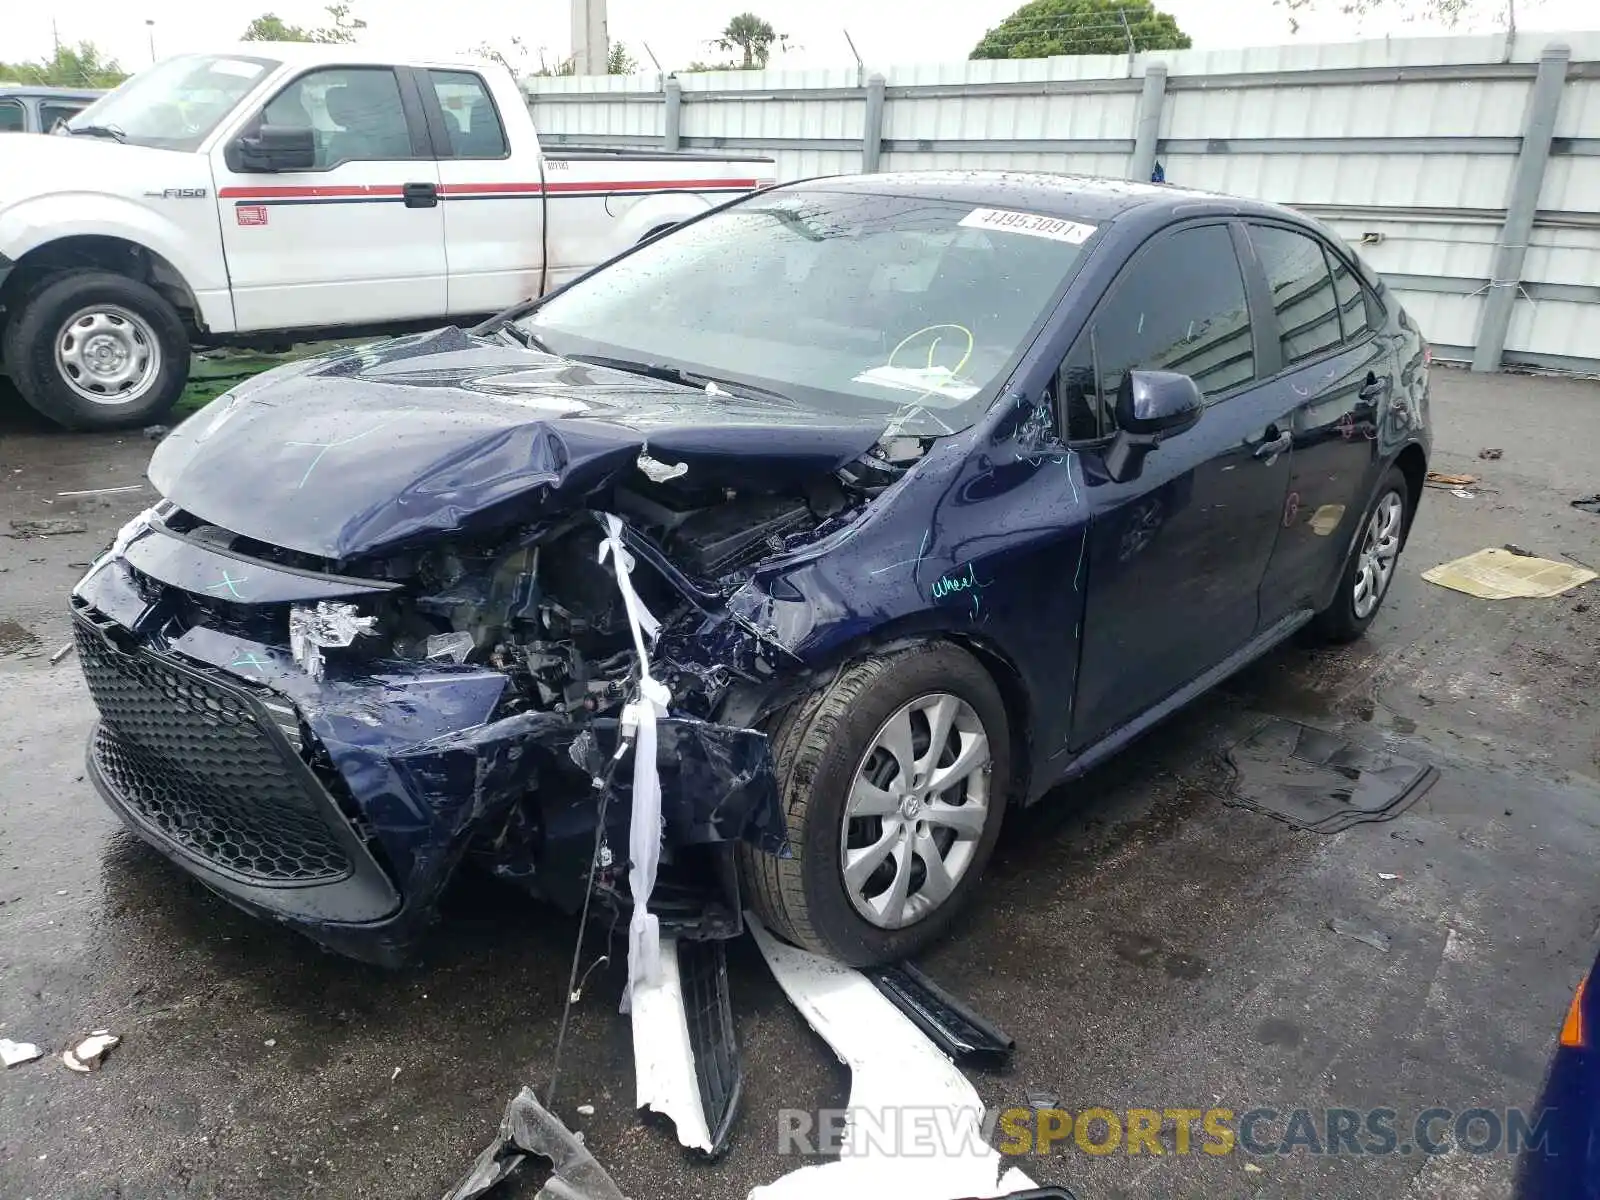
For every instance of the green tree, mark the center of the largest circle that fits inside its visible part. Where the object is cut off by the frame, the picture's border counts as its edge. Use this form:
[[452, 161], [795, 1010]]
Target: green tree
[[269, 27], [749, 35], [619, 61], [1046, 27], [82, 65]]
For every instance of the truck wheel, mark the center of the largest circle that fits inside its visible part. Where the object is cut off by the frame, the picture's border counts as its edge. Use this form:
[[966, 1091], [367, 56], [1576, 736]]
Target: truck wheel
[[895, 778], [95, 350]]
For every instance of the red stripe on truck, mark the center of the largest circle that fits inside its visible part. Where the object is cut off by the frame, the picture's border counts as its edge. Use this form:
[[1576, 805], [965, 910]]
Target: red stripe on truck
[[363, 191]]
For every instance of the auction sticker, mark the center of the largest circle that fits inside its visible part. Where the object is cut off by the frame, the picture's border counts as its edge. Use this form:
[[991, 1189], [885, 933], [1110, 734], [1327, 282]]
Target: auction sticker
[[1057, 229]]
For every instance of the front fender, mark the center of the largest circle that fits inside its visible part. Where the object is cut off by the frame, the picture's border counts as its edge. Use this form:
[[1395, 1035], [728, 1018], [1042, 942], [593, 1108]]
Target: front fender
[[189, 239]]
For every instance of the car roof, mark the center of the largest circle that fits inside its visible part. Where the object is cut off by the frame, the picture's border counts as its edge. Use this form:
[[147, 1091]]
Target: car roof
[[1084, 197], [48, 93]]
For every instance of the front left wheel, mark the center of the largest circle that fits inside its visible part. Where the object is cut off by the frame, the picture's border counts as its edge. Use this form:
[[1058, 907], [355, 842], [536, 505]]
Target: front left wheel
[[96, 350], [894, 778]]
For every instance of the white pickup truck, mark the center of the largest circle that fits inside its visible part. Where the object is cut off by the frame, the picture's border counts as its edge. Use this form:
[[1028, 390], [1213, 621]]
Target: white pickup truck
[[284, 192]]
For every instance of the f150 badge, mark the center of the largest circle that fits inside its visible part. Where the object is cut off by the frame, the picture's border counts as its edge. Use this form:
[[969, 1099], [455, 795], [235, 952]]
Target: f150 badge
[[179, 194]]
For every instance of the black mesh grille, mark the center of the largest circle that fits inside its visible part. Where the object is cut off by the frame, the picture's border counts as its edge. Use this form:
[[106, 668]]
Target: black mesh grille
[[191, 759]]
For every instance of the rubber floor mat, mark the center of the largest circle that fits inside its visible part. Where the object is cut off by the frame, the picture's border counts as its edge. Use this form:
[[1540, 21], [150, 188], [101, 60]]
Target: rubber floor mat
[[1319, 781]]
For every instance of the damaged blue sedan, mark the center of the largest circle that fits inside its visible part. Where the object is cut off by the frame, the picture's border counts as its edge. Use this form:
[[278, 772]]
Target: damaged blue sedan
[[905, 497]]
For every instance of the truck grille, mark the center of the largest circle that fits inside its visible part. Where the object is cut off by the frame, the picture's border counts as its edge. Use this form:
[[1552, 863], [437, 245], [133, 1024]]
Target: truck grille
[[195, 761]]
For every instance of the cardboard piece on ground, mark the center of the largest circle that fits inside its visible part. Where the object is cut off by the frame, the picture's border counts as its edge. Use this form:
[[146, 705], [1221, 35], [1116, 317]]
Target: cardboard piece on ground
[[1496, 574]]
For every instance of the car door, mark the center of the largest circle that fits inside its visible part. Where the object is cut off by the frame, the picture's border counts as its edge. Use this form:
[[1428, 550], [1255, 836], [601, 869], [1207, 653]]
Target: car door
[[1337, 372], [355, 240], [1175, 555], [493, 200]]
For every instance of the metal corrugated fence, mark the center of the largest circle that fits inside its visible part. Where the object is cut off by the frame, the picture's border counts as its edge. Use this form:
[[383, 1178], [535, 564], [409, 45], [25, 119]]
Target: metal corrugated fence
[[1467, 169]]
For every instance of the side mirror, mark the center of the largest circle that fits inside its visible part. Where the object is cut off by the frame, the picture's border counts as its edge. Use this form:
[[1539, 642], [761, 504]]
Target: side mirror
[[276, 148], [1158, 403], [1151, 405]]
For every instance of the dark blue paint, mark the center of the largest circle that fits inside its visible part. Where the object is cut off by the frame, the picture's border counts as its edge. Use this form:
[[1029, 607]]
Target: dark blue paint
[[1566, 1164], [1097, 599]]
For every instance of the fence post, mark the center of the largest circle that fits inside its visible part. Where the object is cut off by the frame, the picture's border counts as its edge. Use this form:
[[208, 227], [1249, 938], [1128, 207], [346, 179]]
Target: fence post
[[672, 127], [872, 131], [1148, 131], [1538, 127]]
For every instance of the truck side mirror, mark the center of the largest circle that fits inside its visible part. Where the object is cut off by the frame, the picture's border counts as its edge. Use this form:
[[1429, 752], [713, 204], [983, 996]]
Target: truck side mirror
[[276, 148]]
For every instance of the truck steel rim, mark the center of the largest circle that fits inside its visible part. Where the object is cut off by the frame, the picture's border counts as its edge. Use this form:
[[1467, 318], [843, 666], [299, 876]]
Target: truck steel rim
[[1380, 547], [916, 810], [108, 355]]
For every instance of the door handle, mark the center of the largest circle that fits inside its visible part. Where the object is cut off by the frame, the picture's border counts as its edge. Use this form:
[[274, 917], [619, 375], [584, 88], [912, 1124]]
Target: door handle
[[421, 195], [1271, 450]]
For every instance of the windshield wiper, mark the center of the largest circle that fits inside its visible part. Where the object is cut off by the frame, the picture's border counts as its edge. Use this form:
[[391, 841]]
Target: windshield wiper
[[101, 131], [523, 337], [693, 379]]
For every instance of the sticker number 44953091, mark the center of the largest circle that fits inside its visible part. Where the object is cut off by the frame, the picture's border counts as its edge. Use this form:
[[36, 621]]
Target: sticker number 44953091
[[1057, 229], [251, 214]]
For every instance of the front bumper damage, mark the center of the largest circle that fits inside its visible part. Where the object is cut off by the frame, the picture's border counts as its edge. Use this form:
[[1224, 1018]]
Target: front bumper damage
[[342, 806]]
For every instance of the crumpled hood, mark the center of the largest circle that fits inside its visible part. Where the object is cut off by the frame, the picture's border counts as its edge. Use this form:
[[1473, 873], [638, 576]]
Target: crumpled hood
[[34, 166], [442, 431]]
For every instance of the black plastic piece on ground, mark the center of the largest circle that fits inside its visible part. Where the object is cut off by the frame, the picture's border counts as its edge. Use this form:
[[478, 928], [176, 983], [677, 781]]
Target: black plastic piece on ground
[[954, 1028], [1316, 780], [703, 970]]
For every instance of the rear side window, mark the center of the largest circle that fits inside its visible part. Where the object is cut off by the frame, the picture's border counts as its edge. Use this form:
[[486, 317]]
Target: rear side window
[[470, 121], [1302, 291], [1180, 306], [1355, 311], [12, 118]]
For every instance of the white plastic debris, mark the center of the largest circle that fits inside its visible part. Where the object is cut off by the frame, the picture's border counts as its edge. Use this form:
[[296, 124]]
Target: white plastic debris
[[332, 623], [898, 1081], [644, 831], [659, 472], [86, 1055], [16, 1053], [663, 1059], [586, 1110], [452, 646]]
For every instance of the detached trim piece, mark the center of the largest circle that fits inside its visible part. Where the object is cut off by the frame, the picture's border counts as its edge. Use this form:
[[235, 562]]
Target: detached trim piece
[[955, 1029], [897, 1076]]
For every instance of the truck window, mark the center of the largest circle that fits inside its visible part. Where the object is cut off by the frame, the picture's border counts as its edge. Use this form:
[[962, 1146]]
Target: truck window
[[53, 113], [12, 117], [470, 120], [354, 112]]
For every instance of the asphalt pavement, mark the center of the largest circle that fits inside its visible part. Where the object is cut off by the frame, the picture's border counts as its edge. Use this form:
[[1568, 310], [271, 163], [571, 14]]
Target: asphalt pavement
[[1148, 944]]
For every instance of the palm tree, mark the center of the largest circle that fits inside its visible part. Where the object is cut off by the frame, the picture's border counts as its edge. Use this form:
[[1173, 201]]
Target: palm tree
[[753, 37]]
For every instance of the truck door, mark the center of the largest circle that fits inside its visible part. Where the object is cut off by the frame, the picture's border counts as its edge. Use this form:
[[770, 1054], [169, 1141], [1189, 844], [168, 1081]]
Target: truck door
[[357, 239], [493, 198]]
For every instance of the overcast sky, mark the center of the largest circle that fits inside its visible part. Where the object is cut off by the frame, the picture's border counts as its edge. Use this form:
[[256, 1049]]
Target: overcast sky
[[885, 31]]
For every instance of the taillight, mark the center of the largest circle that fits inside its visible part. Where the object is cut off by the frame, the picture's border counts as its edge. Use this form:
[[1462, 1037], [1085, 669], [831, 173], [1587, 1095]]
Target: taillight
[[1427, 355], [1572, 1030]]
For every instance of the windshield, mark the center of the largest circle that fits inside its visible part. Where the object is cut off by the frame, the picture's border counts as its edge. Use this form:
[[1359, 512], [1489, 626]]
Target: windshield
[[892, 306], [175, 104]]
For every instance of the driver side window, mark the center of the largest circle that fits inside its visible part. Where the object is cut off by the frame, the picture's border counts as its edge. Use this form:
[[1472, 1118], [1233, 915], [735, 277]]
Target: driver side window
[[354, 112], [1180, 306]]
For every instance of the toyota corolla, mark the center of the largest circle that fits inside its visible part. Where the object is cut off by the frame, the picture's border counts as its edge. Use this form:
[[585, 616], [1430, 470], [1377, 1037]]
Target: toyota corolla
[[889, 502]]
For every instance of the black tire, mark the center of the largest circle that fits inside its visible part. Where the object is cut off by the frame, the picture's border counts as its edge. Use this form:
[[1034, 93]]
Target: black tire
[[1340, 622], [817, 745], [40, 321]]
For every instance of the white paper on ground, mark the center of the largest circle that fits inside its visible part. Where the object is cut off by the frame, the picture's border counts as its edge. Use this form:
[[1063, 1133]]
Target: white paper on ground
[[15, 1053], [663, 1062], [900, 1084]]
